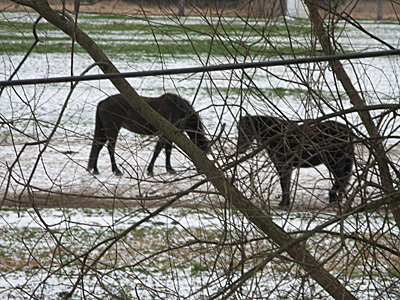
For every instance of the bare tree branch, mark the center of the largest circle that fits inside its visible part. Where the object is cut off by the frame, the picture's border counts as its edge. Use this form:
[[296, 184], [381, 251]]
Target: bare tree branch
[[223, 185], [377, 146]]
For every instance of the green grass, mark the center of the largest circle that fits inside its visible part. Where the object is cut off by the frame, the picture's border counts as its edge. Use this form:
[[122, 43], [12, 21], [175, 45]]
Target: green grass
[[155, 36], [149, 47], [198, 267]]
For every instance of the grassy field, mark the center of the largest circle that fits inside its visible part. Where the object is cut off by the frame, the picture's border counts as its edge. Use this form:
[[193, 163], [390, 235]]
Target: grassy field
[[158, 36], [173, 254]]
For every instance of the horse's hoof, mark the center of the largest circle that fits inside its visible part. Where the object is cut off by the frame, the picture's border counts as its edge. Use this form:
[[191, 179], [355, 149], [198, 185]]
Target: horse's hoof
[[150, 173], [118, 173], [171, 171], [93, 171], [335, 205]]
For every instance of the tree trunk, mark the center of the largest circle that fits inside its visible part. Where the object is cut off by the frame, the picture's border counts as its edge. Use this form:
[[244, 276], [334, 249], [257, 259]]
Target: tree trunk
[[181, 8], [380, 10]]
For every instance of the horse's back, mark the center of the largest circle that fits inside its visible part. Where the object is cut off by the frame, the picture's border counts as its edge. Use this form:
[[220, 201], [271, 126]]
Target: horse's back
[[332, 132], [116, 111], [115, 104], [304, 141], [323, 142], [272, 126], [164, 104], [169, 105]]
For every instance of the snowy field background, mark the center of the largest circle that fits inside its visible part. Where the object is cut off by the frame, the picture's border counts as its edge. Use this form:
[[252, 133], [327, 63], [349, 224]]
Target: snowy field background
[[35, 243], [218, 96]]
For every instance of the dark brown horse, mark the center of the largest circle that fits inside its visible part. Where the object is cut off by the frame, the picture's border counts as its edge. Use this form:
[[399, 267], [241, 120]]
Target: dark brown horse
[[302, 146], [115, 112]]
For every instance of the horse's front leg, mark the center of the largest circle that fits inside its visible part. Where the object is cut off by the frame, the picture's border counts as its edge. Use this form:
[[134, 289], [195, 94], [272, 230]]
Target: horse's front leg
[[111, 151], [285, 175], [168, 150]]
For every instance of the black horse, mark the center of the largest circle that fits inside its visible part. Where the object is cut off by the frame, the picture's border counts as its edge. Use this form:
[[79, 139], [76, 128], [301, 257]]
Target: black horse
[[115, 112], [292, 145]]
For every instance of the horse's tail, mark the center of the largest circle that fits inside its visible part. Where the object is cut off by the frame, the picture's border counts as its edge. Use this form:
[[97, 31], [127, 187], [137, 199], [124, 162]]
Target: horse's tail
[[99, 128], [99, 140]]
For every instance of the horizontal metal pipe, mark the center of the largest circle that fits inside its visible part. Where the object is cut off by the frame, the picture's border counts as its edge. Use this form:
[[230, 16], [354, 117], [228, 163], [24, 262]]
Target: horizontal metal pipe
[[192, 70]]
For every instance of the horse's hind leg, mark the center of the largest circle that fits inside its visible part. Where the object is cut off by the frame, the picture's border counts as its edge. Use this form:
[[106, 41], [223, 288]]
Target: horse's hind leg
[[111, 151], [157, 150], [97, 144], [342, 173], [99, 139], [285, 177]]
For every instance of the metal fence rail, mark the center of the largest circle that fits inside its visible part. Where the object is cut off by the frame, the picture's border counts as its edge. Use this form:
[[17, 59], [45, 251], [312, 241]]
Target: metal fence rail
[[193, 70]]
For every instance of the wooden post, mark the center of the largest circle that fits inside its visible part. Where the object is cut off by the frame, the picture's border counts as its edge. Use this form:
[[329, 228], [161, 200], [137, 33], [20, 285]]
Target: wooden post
[[380, 9]]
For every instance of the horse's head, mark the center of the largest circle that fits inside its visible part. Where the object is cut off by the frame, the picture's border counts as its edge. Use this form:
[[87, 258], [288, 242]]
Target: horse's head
[[202, 142], [246, 133], [195, 131]]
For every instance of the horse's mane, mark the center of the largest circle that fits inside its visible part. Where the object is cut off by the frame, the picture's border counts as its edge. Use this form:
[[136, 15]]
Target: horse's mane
[[181, 103], [186, 107]]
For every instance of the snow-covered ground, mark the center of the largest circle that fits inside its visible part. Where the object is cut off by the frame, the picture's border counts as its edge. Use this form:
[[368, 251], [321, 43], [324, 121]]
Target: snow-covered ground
[[44, 248]]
